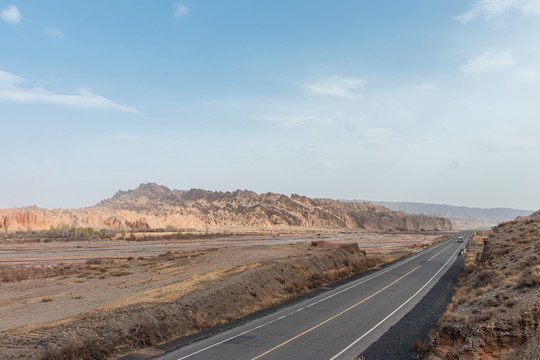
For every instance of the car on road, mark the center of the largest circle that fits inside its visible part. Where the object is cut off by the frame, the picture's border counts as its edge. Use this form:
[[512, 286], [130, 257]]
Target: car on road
[[460, 239]]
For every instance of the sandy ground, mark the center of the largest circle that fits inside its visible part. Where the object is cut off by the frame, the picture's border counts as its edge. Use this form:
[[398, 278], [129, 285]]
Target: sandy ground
[[81, 251], [137, 276]]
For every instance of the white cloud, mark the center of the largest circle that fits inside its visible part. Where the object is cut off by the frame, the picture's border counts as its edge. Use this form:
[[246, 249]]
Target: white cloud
[[490, 61], [335, 87], [11, 89], [11, 15], [57, 33], [7, 78], [527, 75], [181, 11], [497, 10], [292, 121]]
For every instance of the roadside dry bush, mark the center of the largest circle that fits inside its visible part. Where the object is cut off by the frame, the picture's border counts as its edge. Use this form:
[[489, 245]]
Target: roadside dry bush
[[201, 323], [420, 345], [528, 280]]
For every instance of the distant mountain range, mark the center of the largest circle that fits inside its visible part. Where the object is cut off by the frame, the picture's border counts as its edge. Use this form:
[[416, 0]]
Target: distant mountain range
[[462, 217], [153, 206]]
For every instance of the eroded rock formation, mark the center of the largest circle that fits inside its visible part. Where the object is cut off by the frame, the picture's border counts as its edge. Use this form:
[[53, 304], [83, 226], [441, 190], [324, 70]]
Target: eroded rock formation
[[153, 206]]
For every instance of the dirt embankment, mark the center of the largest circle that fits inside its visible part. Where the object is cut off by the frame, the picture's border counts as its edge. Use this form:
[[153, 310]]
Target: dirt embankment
[[181, 307], [495, 312]]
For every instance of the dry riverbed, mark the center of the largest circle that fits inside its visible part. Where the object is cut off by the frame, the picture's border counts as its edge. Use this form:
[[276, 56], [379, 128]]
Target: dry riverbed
[[57, 298]]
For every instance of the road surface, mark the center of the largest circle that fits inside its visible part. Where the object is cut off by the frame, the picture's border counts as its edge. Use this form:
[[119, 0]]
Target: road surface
[[338, 324]]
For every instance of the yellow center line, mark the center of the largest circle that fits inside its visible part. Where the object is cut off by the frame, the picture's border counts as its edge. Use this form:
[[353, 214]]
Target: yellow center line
[[335, 316], [431, 258]]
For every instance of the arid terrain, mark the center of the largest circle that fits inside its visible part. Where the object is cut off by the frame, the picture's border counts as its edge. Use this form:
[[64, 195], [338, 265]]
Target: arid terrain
[[495, 313], [60, 299], [152, 206], [153, 264]]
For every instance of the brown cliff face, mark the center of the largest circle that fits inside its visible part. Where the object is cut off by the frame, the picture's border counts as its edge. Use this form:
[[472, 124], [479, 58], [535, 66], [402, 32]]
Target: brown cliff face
[[153, 206], [495, 314]]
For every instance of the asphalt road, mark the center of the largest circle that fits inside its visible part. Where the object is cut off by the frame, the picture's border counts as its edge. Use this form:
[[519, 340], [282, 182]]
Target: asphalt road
[[338, 324]]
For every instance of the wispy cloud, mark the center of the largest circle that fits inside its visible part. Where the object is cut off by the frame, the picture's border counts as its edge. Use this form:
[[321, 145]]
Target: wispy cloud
[[335, 87], [11, 15], [180, 11], [490, 61], [57, 33], [293, 121], [498, 10], [12, 89]]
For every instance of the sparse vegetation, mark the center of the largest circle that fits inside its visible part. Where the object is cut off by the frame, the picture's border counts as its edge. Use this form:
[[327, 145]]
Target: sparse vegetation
[[160, 314], [495, 310], [61, 233]]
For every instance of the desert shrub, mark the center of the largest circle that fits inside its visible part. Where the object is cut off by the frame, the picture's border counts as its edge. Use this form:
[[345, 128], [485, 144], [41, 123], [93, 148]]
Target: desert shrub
[[449, 318], [485, 276], [512, 301], [200, 323], [463, 296], [529, 262], [315, 280], [146, 333], [529, 280], [421, 345], [295, 288], [484, 315], [492, 302], [483, 289]]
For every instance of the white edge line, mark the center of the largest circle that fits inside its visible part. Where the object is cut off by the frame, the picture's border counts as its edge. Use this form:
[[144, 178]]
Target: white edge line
[[316, 302], [396, 310]]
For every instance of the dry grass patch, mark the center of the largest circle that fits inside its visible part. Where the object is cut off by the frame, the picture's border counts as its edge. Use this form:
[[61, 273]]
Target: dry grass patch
[[172, 292]]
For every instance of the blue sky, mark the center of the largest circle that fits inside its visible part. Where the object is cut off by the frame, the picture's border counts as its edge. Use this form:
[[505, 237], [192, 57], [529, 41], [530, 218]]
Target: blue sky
[[427, 101]]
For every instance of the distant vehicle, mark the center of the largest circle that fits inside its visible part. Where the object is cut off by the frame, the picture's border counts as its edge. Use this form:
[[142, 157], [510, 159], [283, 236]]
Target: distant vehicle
[[460, 239]]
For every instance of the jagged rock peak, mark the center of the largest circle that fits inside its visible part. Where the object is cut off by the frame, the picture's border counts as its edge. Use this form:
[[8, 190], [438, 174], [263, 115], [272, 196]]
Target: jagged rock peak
[[148, 189], [144, 194]]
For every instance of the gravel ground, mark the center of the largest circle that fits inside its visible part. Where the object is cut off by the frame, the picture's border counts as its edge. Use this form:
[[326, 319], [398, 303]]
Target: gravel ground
[[397, 342]]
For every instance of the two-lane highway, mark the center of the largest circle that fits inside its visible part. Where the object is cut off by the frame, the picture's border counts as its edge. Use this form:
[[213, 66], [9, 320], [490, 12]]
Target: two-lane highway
[[338, 324]]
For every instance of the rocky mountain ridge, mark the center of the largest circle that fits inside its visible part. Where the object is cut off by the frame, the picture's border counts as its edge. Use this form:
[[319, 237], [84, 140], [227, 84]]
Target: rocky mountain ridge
[[462, 217], [153, 206]]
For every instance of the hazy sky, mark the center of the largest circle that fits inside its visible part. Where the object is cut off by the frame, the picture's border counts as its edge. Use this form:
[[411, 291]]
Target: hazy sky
[[426, 101]]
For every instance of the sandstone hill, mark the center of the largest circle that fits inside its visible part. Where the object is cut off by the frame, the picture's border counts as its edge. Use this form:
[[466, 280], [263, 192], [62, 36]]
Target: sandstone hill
[[152, 206]]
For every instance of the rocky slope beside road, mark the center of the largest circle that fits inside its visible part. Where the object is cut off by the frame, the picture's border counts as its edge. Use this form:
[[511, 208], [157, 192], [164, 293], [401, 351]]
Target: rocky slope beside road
[[495, 314], [153, 206]]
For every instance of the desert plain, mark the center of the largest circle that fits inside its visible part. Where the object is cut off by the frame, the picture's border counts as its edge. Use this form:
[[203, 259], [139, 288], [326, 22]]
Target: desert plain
[[82, 290]]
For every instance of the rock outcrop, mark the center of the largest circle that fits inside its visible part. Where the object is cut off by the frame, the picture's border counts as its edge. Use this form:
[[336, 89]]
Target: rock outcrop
[[153, 206], [495, 314]]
